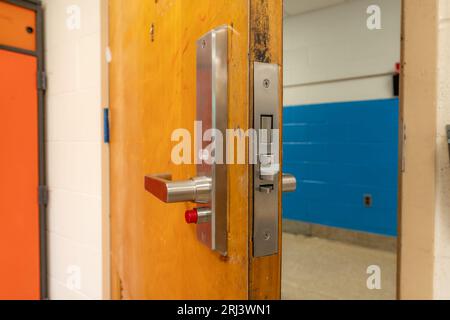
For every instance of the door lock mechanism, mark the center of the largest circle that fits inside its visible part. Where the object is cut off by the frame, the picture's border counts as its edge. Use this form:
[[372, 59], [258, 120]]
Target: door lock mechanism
[[209, 187], [267, 170]]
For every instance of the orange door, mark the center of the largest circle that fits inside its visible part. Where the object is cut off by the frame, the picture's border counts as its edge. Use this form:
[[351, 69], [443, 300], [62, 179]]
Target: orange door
[[17, 27], [19, 211]]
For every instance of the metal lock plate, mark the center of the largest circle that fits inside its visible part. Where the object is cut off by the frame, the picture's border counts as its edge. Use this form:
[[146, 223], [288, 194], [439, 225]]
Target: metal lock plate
[[212, 112], [266, 172]]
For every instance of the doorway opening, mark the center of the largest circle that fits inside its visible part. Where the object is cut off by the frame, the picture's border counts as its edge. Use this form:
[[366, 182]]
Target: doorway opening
[[341, 138]]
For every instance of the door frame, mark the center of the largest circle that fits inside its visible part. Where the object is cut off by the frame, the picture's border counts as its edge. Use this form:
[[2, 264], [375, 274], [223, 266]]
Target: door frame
[[266, 45], [42, 192], [417, 200]]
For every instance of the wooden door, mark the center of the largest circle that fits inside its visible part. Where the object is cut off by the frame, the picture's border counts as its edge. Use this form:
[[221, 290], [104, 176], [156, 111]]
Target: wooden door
[[155, 254]]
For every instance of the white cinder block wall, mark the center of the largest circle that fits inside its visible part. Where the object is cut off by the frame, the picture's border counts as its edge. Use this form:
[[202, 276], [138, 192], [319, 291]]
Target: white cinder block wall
[[334, 43], [74, 142], [442, 219]]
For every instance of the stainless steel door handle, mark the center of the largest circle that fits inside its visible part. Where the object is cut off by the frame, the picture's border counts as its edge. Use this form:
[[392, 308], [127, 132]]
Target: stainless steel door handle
[[210, 187], [197, 189], [289, 183]]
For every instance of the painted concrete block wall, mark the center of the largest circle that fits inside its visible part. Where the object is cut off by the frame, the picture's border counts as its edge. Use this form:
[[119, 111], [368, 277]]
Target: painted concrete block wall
[[334, 43], [340, 153], [442, 219], [73, 57]]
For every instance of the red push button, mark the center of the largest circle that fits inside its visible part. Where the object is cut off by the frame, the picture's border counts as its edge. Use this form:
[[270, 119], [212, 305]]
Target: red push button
[[191, 216]]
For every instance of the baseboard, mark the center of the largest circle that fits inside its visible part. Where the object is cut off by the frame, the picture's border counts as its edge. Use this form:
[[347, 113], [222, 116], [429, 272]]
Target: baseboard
[[354, 237]]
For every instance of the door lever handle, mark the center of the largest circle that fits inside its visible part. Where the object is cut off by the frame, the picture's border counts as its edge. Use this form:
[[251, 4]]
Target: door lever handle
[[197, 189], [289, 183]]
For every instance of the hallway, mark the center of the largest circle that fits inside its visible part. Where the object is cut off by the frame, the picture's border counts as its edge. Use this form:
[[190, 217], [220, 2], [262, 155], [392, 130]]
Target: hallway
[[315, 268]]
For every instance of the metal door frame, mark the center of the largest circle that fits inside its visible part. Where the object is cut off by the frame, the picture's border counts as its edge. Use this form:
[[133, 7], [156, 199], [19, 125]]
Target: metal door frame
[[35, 5]]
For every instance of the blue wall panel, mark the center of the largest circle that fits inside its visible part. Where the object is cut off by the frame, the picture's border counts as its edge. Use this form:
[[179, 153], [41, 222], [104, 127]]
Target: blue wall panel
[[339, 153]]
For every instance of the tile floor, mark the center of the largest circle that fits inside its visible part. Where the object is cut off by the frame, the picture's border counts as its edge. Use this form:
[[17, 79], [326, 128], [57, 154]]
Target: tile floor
[[316, 268]]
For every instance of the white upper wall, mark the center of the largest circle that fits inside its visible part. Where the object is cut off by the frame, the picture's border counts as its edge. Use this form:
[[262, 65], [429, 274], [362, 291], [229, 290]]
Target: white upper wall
[[334, 43]]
